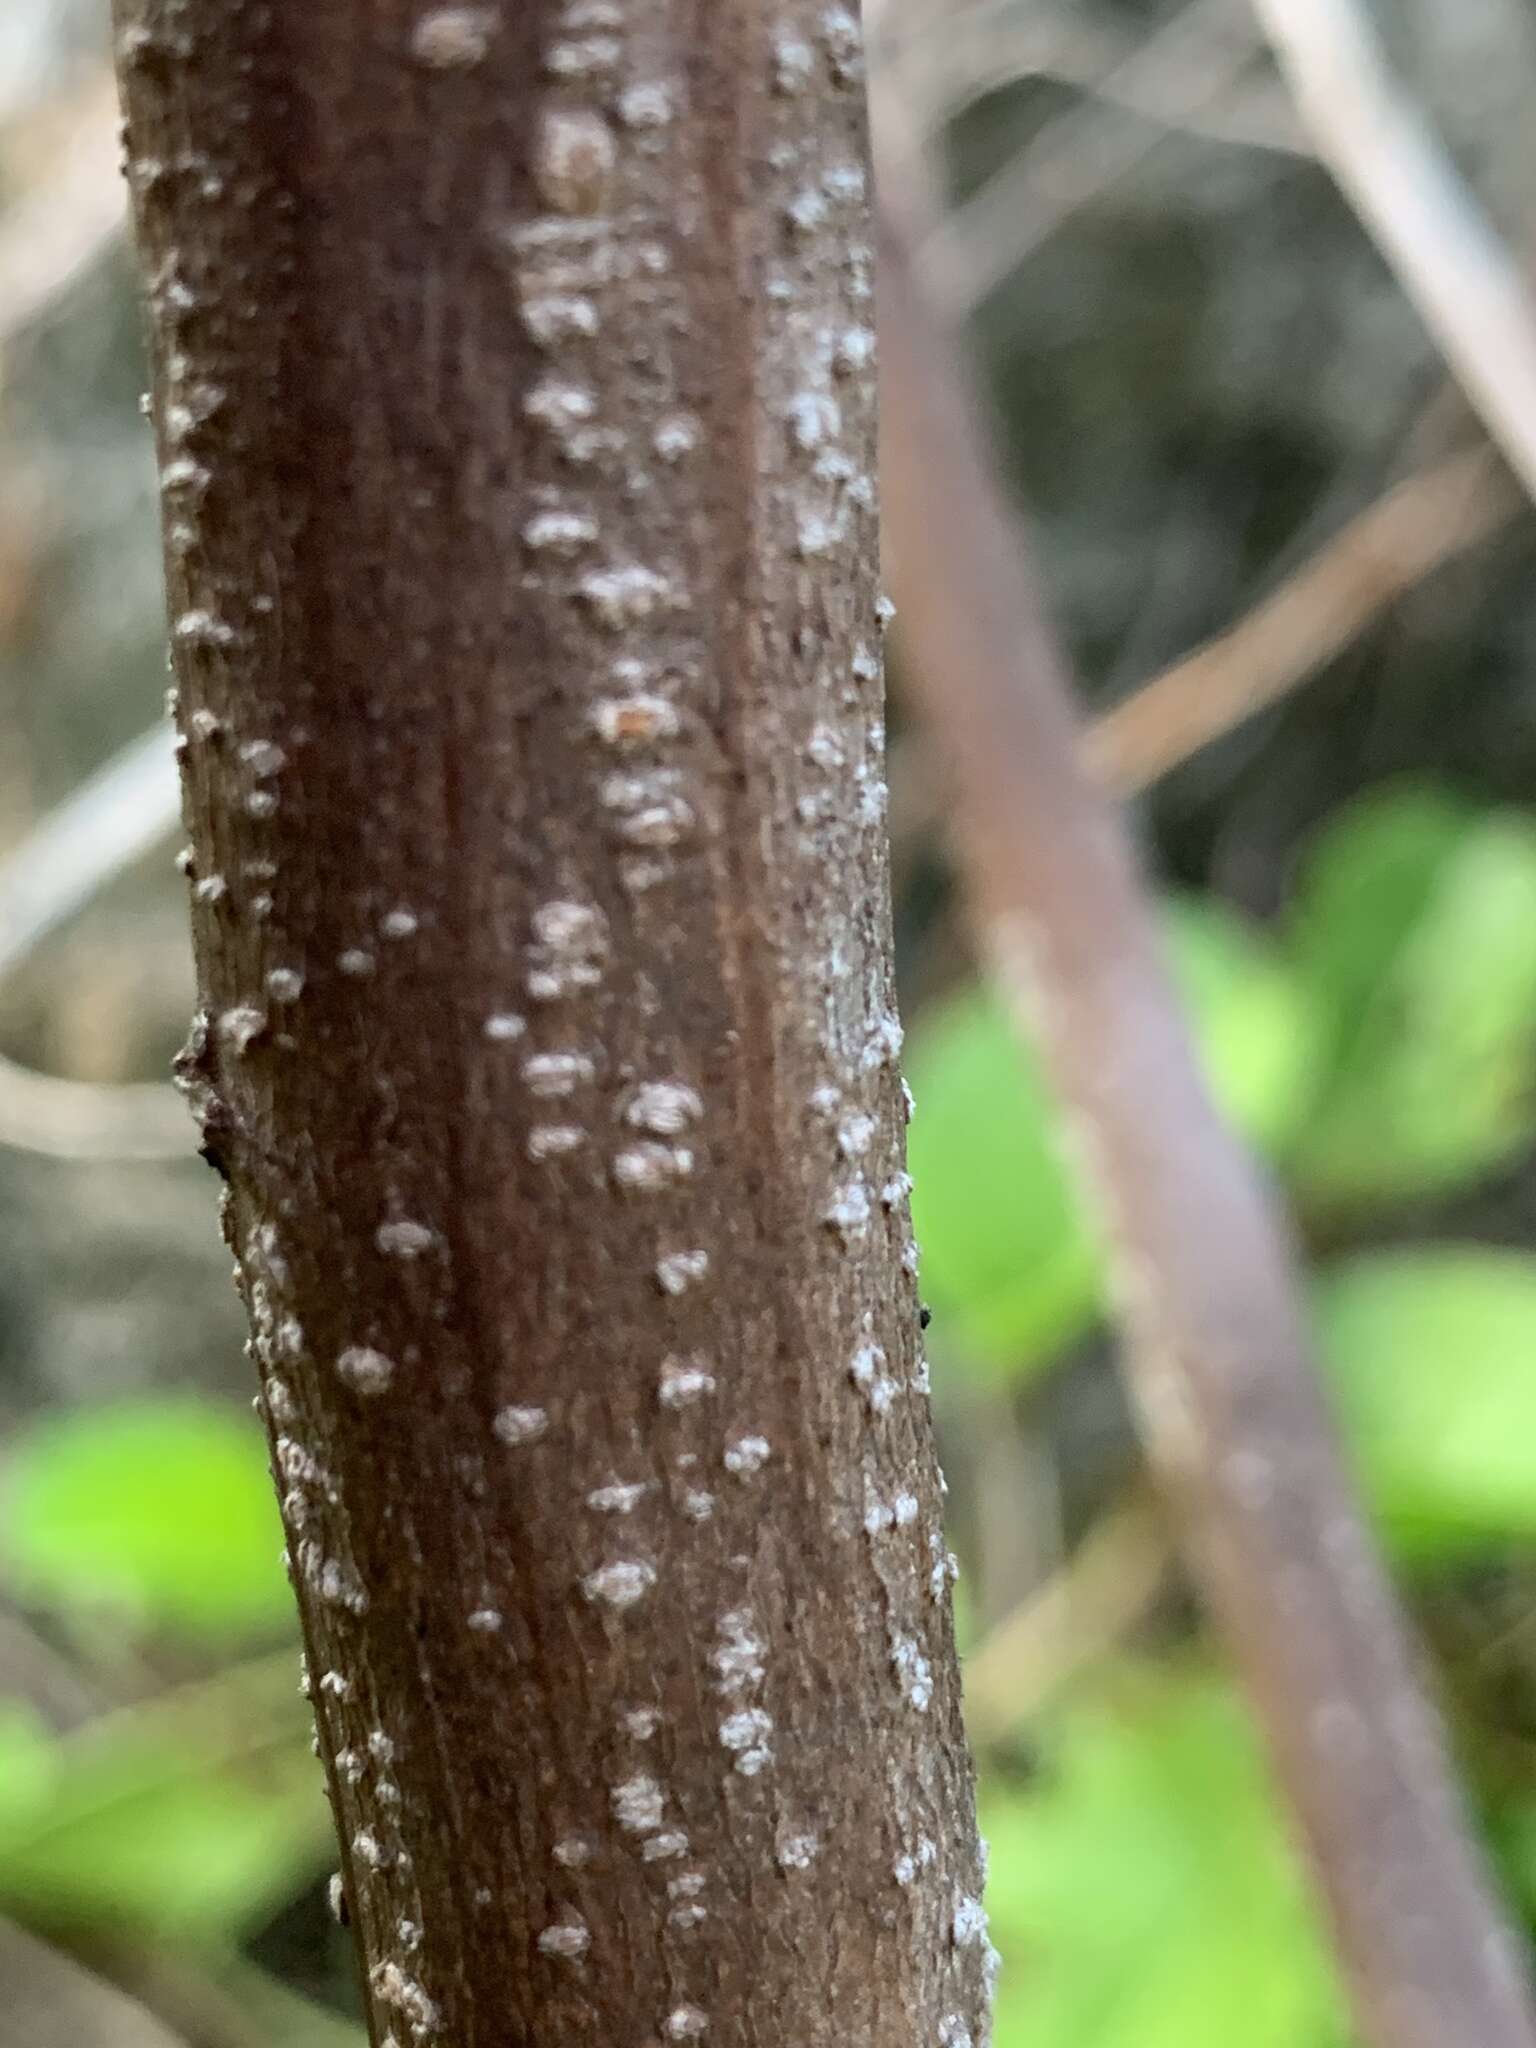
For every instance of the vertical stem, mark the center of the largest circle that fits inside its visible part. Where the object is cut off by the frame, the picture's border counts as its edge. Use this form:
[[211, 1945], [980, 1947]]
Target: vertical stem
[[513, 394]]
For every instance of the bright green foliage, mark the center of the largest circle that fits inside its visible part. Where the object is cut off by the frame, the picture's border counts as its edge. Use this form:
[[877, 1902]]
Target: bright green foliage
[[158, 1513], [1433, 1358], [1251, 1018], [1008, 1261], [1007, 1252], [186, 1818], [1142, 1892], [1415, 926]]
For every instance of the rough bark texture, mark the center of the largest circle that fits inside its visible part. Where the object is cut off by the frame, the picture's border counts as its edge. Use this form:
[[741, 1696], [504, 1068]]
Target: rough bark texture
[[1217, 1354], [513, 396]]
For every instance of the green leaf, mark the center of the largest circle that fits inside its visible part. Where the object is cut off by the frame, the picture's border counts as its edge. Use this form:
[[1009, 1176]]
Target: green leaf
[[1142, 1892], [188, 1817], [1251, 1017], [160, 1512], [1430, 1354], [1008, 1254], [1415, 926], [1008, 1261]]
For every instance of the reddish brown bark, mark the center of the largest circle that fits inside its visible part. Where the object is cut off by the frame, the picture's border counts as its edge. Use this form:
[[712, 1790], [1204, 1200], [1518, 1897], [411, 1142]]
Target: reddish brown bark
[[513, 401]]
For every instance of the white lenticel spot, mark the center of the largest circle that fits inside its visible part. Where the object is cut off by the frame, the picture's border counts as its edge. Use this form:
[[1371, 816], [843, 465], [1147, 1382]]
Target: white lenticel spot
[[970, 1922], [452, 38], [665, 1108], [554, 1141], [404, 1239], [637, 1804], [684, 1380], [661, 1848], [747, 1455], [618, 1498], [365, 1370], [797, 1852], [567, 1938], [619, 1584], [678, 1271], [520, 1425]]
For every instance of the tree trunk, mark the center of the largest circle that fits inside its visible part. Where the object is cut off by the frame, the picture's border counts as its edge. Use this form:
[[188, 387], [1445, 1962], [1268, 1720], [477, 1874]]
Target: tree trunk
[[513, 393]]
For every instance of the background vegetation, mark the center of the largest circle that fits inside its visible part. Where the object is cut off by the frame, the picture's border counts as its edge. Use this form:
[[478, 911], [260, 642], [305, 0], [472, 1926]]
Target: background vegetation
[[1203, 371]]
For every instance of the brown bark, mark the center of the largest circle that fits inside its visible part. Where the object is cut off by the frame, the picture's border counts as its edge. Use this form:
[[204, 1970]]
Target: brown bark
[[1217, 1354], [513, 399]]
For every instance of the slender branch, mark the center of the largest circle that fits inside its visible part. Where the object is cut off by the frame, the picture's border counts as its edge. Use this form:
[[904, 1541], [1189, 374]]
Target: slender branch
[[50, 1998], [118, 813], [1184, 69], [1216, 1350], [1112, 1578], [1421, 523], [91, 1121], [102, 827], [1411, 198], [69, 205], [1417, 526], [947, 62]]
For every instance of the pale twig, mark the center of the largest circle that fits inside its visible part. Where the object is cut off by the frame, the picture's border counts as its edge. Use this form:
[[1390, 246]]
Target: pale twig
[[1183, 70], [1216, 1349], [946, 64], [1412, 200], [1428, 519], [50, 1997], [71, 205], [1418, 525], [103, 826], [100, 829], [1080, 1613]]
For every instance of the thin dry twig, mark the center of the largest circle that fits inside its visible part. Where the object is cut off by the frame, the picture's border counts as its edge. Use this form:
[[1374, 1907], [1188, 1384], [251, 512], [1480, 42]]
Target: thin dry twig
[[1411, 199], [127, 806], [1216, 1351], [101, 828], [1413, 529], [948, 61], [1177, 77], [1428, 519], [1110, 1580], [71, 206]]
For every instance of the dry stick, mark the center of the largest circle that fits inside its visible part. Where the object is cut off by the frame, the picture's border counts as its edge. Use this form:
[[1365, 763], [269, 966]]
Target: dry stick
[[515, 406], [1427, 520], [115, 816], [1217, 1354], [1422, 522], [1111, 1579], [1187, 66], [71, 203], [1411, 198], [945, 65]]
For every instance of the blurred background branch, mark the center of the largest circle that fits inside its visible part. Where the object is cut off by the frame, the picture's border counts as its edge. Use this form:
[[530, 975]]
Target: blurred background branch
[[115, 816], [1216, 1354], [1472, 296]]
